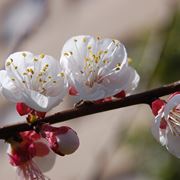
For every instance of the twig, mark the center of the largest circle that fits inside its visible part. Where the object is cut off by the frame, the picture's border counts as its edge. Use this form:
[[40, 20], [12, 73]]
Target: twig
[[91, 108]]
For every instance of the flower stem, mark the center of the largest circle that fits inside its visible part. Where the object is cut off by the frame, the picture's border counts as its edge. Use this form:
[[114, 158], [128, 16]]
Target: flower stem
[[87, 108]]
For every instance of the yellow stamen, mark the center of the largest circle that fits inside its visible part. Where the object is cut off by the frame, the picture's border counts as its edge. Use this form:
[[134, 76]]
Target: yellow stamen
[[84, 39], [42, 55], [24, 54], [129, 60]]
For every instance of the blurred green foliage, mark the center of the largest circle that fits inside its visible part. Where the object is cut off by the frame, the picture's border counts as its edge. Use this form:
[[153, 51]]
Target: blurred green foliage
[[154, 161], [150, 158], [156, 54], [168, 69]]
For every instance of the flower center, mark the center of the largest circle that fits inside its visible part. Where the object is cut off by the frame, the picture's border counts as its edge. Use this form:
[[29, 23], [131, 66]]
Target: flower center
[[95, 60], [33, 77]]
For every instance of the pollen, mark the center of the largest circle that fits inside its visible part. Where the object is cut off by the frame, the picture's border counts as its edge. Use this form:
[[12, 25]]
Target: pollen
[[42, 55], [23, 82], [8, 63], [54, 81], [30, 70], [89, 47], [61, 74], [86, 59], [84, 39], [118, 65], [35, 59], [100, 53], [24, 54], [44, 69], [98, 38], [129, 60], [96, 59], [75, 40], [106, 51], [12, 79], [66, 54], [105, 61], [40, 74]]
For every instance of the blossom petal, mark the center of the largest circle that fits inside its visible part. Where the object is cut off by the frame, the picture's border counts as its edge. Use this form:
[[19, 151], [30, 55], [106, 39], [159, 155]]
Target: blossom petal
[[173, 144], [173, 102], [7, 87], [97, 68], [41, 102], [126, 80], [36, 80], [75, 51], [46, 162], [87, 93], [155, 127]]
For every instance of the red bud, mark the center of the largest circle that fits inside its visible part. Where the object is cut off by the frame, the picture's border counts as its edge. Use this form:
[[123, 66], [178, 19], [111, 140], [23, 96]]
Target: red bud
[[157, 105], [22, 109]]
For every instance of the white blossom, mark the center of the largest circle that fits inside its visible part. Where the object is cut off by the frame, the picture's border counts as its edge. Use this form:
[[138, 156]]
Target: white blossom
[[166, 127], [36, 80], [97, 68]]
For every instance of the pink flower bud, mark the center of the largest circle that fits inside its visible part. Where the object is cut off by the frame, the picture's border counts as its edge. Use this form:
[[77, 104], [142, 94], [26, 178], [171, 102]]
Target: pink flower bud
[[62, 140]]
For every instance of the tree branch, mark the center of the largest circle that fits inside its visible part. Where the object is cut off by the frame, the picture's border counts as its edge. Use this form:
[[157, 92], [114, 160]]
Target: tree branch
[[88, 108]]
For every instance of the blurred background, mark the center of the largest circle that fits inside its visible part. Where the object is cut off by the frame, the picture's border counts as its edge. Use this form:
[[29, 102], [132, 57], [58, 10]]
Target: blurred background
[[115, 145]]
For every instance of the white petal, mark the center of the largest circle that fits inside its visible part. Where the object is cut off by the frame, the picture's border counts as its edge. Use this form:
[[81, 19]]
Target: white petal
[[159, 134], [56, 85], [173, 144], [86, 93], [88, 59], [8, 89], [173, 102], [155, 127], [78, 47], [163, 136], [132, 81], [53, 65], [116, 55], [40, 102], [36, 79], [47, 162], [19, 62], [126, 79]]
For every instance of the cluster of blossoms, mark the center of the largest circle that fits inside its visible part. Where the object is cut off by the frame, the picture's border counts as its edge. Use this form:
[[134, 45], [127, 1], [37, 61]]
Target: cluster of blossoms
[[90, 68], [166, 127]]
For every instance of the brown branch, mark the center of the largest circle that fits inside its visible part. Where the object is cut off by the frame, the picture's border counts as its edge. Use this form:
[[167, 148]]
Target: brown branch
[[88, 108]]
